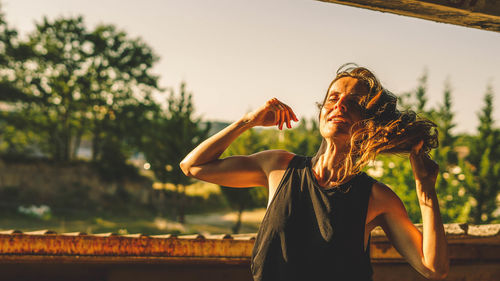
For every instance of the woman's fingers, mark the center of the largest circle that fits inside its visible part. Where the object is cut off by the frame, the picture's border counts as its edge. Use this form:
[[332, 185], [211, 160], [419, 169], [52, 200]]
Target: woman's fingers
[[284, 114], [424, 168], [287, 115], [277, 114], [281, 114], [283, 117], [292, 114]]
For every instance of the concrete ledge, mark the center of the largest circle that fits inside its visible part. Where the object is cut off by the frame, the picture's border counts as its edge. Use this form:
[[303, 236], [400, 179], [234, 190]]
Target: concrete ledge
[[466, 242], [47, 255]]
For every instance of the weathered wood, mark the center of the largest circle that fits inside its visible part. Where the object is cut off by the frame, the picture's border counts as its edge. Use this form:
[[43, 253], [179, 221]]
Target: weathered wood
[[466, 242], [481, 14], [46, 255]]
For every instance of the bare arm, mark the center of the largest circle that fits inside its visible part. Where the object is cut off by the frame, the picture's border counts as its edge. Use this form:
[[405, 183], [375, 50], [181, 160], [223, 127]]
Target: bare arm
[[427, 252], [237, 171]]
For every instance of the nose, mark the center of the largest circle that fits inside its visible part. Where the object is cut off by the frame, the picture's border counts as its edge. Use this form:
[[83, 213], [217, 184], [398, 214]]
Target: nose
[[341, 104]]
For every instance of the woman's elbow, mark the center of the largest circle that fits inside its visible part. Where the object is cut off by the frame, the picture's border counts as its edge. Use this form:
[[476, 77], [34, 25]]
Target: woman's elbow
[[186, 168], [438, 274]]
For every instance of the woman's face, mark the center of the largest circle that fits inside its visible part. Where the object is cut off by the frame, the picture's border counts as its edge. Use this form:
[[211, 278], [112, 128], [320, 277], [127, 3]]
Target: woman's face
[[341, 108]]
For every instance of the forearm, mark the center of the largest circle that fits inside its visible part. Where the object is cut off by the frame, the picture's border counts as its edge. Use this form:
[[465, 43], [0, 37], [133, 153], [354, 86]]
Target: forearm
[[434, 244], [212, 148]]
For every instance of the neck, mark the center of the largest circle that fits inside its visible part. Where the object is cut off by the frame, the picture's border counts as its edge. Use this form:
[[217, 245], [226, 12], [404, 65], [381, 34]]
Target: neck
[[327, 161]]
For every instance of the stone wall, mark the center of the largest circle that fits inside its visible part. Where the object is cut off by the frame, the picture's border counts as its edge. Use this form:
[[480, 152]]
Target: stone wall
[[48, 180]]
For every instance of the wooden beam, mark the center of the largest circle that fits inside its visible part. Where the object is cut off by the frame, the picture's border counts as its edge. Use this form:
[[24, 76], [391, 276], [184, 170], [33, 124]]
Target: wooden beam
[[481, 14]]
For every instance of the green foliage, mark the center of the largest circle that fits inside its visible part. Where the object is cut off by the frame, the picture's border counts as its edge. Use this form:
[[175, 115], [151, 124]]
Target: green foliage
[[467, 188], [396, 172], [421, 93], [65, 84], [484, 166], [451, 193], [12, 140], [76, 83], [168, 137], [303, 139]]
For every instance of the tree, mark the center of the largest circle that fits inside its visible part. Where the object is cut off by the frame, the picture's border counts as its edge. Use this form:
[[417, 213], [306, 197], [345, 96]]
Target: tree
[[395, 170], [50, 77], [77, 83], [421, 93], [171, 134], [303, 139], [482, 181], [449, 190], [244, 198], [120, 86], [12, 141]]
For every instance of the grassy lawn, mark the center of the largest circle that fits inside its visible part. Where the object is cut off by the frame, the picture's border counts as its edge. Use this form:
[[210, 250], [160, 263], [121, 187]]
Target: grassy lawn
[[212, 223]]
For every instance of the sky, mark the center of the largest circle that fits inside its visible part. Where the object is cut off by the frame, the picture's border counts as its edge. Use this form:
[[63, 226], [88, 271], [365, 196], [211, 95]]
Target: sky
[[235, 54]]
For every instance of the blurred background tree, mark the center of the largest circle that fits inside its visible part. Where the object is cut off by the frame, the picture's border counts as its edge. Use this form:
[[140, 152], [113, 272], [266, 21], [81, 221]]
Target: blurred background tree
[[65, 83], [304, 138], [448, 184], [15, 138], [395, 170], [482, 166], [75, 82], [65, 86], [170, 135]]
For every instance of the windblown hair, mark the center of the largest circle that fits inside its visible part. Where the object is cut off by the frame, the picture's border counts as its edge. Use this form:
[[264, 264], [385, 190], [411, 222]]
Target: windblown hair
[[383, 128]]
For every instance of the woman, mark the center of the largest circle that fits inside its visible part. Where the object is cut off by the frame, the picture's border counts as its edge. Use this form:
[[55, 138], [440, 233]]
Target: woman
[[322, 209]]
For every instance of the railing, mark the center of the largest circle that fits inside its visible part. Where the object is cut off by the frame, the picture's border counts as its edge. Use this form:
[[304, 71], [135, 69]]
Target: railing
[[474, 249]]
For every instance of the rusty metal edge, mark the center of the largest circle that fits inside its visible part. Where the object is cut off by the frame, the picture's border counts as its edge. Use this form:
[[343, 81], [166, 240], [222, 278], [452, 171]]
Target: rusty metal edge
[[72, 259]]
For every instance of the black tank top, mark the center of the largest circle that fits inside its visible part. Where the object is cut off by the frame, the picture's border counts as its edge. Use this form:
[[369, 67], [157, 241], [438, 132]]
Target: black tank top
[[313, 233]]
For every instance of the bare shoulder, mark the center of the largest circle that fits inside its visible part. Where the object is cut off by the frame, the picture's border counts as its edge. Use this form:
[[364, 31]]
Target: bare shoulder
[[382, 192], [383, 201]]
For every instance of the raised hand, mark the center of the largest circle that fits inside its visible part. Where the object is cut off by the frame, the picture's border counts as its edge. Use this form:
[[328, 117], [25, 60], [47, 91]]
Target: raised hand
[[273, 112], [425, 170]]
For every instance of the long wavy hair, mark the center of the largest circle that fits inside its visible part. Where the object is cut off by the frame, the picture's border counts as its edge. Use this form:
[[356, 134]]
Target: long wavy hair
[[383, 128]]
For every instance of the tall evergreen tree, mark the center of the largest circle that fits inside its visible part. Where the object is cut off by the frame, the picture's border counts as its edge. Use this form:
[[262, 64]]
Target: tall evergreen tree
[[416, 99], [484, 178], [421, 93], [171, 134], [452, 197], [395, 170]]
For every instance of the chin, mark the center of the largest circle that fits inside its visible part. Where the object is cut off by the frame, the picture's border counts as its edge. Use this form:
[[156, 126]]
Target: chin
[[337, 133]]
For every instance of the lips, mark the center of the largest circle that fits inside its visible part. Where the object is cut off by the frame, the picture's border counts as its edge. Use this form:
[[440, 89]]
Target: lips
[[338, 119]]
